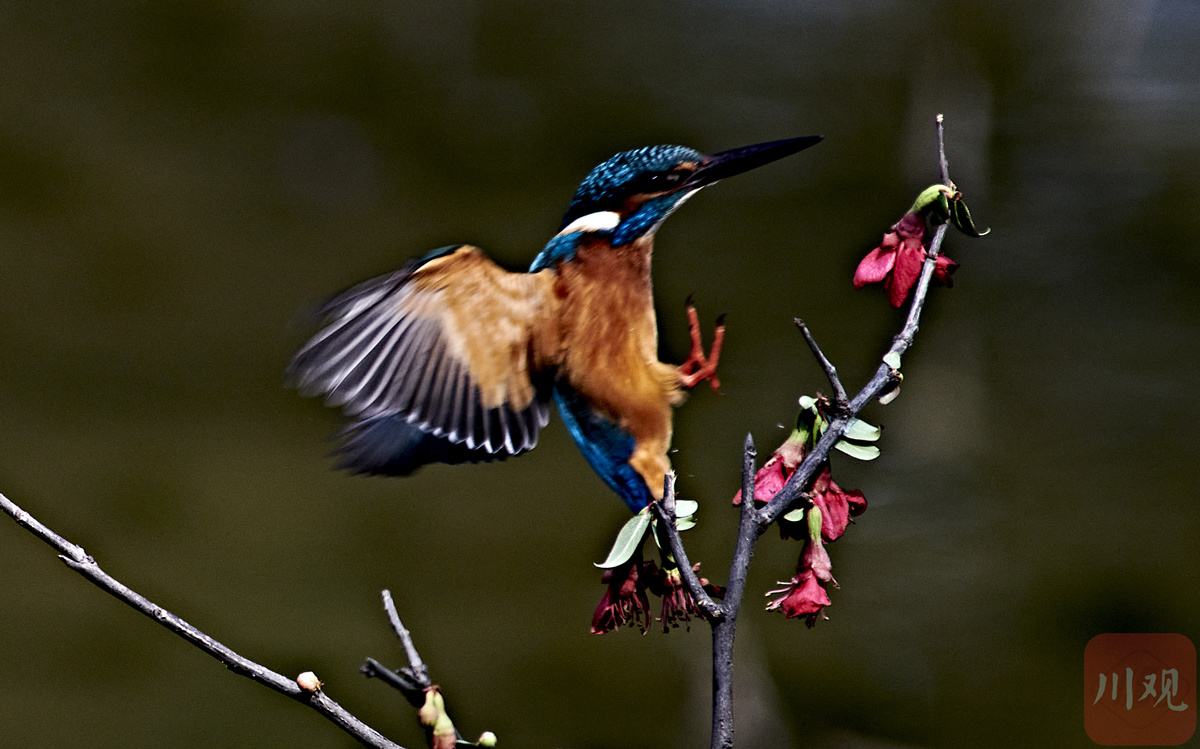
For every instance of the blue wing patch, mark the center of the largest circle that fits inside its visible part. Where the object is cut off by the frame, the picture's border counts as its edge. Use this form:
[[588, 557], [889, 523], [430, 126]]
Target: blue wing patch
[[605, 445]]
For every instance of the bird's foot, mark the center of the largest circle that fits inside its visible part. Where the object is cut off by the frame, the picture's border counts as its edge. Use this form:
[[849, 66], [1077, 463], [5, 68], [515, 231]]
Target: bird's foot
[[698, 367]]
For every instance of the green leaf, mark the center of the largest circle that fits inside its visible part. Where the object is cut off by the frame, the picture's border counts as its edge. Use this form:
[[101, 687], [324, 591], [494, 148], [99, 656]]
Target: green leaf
[[861, 431], [962, 220], [889, 396], [795, 516], [808, 403], [685, 524], [861, 452], [934, 194], [629, 540], [686, 508], [892, 359]]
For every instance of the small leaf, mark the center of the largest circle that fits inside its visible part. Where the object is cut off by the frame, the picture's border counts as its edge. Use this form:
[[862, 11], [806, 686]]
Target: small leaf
[[685, 524], [962, 220], [861, 452], [808, 403], [686, 508], [795, 516], [629, 540], [930, 196], [889, 396], [861, 431], [892, 359]]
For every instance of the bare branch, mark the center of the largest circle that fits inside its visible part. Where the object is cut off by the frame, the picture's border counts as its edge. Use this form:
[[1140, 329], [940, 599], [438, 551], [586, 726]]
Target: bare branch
[[883, 379], [77, 559], [750, 528], [945, 165], [754, 522], [416, 666], [413, 692], [839, 392]]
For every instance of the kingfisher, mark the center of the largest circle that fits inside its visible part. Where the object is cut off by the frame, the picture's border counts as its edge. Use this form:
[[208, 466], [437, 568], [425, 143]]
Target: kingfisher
[[454, 359]]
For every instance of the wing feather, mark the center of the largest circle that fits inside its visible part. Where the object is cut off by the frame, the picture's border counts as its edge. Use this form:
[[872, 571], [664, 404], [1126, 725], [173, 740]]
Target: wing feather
[[447, 346]]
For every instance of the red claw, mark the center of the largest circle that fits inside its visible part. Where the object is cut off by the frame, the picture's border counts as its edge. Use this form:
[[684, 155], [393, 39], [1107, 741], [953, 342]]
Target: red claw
[[698, 367]]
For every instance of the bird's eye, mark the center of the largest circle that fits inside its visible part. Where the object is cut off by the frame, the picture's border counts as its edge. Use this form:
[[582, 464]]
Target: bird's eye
[[662, 181]]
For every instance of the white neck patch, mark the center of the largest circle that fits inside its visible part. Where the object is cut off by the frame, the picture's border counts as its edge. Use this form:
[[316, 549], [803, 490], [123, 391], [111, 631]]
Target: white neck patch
[[599, 221]]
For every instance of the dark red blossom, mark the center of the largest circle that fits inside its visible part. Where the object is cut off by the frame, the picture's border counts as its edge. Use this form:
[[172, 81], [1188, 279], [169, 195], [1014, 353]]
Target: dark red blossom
[[897, 260], [625, 601], [803, 596], [815, 558], [678, 604], [837, 505], [778, 468]]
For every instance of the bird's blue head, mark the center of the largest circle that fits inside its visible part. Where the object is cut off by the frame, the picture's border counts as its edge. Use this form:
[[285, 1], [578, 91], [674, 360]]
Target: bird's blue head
[[643, 185], [629, 195]]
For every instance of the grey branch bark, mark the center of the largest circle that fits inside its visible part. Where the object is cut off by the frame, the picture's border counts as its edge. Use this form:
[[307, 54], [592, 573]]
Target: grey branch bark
[[77, 559], [754, 522]]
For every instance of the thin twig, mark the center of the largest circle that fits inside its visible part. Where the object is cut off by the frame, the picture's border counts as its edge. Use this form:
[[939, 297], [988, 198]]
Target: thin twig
[[77, 559], [413, 692], [413, 680], [883, 379], [839, 392], [416, 666], [665, 512], [942, 162]]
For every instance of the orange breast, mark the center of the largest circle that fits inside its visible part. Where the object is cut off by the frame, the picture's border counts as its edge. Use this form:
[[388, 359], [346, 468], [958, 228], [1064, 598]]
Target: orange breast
[[609, 336]]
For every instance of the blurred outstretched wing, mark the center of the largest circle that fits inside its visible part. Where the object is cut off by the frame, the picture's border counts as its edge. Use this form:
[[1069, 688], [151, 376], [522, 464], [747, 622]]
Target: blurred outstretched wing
[[435, 363]]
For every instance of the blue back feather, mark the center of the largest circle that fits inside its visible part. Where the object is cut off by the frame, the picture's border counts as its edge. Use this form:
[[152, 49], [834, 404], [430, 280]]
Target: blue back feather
[[561, 249], [605, 446]]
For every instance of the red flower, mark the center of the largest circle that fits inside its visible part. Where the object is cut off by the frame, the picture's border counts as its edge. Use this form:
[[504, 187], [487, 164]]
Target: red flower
[[779, 467], [678, 604], [897, 260], [837, 505], [803, 596], [816, 558], [625, 601]]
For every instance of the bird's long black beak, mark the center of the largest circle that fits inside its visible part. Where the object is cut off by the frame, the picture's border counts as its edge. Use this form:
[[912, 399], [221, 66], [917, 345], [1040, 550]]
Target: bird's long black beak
[[738, 160]]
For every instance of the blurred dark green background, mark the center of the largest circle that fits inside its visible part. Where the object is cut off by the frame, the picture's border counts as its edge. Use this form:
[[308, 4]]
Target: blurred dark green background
[[180, 181]]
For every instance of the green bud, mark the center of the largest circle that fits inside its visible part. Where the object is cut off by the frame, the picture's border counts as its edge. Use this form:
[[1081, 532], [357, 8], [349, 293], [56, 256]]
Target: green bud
[[935, 200], [814, 524]]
